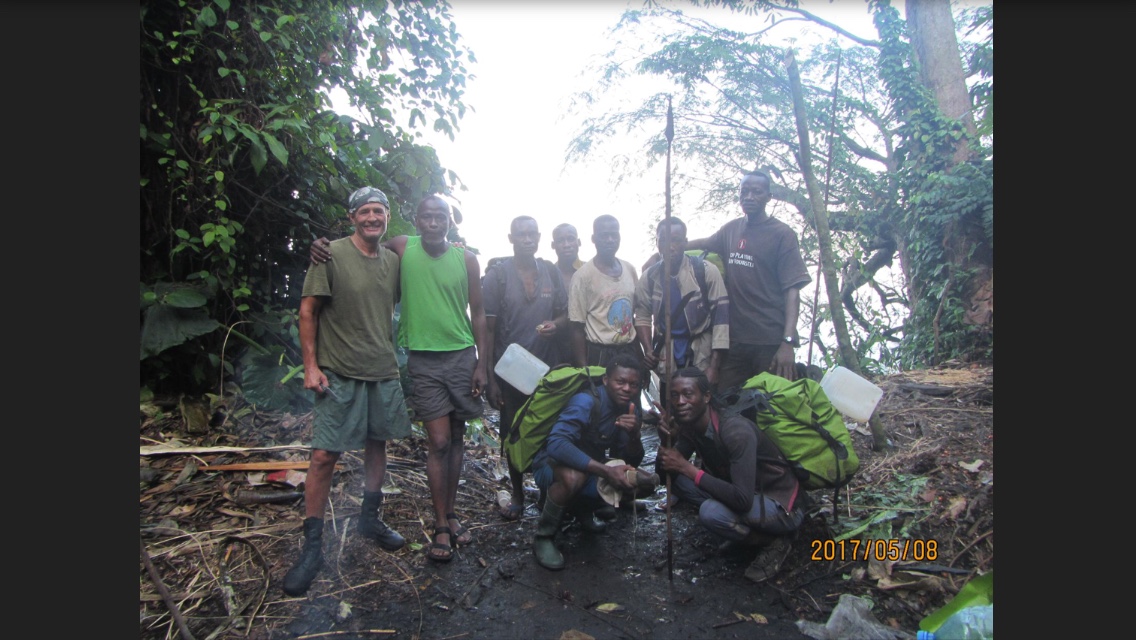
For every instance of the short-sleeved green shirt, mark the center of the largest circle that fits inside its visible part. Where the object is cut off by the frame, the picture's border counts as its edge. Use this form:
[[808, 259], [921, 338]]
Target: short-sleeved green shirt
[[355, 337]]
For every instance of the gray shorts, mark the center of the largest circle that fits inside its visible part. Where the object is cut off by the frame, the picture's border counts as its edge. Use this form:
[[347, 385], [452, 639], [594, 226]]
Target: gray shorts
[[441, 383], [360, 410]]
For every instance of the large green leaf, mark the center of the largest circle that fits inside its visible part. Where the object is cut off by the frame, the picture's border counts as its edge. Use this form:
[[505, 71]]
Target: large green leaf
[[261, 383], [276, 148], [207, 17], [258, 156], [185, 299], [164, 326]]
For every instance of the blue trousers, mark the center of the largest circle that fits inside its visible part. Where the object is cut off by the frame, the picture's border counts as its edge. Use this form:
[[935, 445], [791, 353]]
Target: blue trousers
[[543, 478], [731, 525]]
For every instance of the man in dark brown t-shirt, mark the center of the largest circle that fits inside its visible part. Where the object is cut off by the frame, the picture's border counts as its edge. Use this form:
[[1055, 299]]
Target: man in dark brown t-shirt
[[764, 273]]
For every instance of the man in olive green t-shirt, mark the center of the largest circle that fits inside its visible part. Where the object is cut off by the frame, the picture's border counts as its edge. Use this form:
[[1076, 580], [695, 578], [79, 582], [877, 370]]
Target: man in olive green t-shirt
[[346, 339]]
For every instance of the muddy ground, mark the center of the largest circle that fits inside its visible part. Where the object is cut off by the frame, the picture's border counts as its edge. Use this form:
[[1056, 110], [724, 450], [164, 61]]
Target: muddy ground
[[221, 552]]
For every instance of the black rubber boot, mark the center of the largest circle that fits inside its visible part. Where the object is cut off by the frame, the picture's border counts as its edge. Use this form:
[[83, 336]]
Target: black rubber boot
[[300, 576], [371, 525], [606, 513], [582, 511], [544, 544]]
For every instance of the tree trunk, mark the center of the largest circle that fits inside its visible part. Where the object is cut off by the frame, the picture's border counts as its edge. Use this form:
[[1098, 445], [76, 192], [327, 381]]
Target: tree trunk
[[932, 32], [824, 238]]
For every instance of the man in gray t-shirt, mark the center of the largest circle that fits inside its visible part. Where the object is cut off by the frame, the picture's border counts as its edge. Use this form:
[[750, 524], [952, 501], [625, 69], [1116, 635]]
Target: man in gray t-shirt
[[525, 304]]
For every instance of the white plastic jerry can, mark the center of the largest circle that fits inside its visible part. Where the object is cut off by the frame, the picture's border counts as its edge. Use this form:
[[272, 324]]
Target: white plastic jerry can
[[851, 394], [520, 368]]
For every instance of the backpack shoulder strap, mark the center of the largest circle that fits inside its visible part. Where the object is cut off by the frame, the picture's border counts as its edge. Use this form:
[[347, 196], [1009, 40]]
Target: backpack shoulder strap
[[497, 266], [653, 278], [553, 275], [738, 400], [500, 271], [594, 414], [699, 265]]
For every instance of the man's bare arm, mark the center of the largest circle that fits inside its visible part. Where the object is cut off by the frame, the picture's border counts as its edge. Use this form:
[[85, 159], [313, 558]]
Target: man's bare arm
[[784, 363], [579, 344], [314, 379], [477, 318]]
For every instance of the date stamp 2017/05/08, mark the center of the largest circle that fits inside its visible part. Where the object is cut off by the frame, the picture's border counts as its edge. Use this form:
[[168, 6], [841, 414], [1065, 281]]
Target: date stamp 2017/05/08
[[882, 550]]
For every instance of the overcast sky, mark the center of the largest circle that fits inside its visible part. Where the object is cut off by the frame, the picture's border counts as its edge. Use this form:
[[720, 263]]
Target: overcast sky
[[510, 149]]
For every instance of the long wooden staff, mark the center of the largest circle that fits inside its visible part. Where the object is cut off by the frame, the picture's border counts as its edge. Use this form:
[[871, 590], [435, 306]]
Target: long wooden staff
[[667, 325], [827, 178]]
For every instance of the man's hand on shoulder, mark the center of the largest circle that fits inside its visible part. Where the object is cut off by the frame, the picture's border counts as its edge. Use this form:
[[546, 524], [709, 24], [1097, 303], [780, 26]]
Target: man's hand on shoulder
[[320, 251]]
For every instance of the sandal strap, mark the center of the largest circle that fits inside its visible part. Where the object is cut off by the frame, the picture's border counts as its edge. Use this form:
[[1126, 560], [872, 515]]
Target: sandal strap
[[446, 530]]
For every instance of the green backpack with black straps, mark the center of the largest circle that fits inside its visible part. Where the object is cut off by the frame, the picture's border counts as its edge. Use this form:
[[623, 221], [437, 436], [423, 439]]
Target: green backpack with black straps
[[802, 422], [535, 418]]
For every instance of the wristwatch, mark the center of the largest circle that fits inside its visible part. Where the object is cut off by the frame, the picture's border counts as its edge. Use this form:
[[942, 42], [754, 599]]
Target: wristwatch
[[791, 341]]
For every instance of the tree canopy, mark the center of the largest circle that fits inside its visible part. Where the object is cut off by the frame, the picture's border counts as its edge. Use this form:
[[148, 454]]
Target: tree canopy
[[880, 143], [243, 162]]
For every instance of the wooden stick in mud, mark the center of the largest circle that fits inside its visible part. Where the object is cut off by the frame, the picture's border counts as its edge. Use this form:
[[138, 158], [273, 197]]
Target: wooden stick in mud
[[166, 597]]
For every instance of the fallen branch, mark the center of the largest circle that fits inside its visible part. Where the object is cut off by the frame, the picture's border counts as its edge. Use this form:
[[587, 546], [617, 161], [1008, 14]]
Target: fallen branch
[[261, 466], [327, 634], [728, 623], [928, 389], [191, 542], [223, 555], [896, 413], [160, 449], [170, 604], [967, 547], [475, 582]]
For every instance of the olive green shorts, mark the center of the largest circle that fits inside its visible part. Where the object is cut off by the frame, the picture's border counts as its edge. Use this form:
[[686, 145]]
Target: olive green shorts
[[359, 410]]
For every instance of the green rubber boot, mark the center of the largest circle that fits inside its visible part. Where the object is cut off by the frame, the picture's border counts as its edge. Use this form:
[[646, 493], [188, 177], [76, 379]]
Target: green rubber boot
[[544, 544]]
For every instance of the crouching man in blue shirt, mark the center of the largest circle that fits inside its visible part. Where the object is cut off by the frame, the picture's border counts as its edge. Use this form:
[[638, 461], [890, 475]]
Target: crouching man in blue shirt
[[574, 455]]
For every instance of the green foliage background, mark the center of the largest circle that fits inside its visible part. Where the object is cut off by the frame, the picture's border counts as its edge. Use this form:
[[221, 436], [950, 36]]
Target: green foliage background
[[243, 163]]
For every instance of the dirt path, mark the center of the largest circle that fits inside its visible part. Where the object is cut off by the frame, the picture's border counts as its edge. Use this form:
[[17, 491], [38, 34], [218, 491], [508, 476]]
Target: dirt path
[[223, 559]]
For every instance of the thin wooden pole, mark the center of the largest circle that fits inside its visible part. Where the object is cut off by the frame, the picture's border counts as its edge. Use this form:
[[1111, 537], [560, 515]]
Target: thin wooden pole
[[827, 177], [667, 348]]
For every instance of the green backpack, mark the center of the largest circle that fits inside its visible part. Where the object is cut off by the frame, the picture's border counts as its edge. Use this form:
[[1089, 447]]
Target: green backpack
[[535, 418], [802, 422]]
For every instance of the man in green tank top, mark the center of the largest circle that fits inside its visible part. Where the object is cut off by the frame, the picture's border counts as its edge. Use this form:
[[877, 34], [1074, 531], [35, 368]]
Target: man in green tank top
[[443, 327]]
